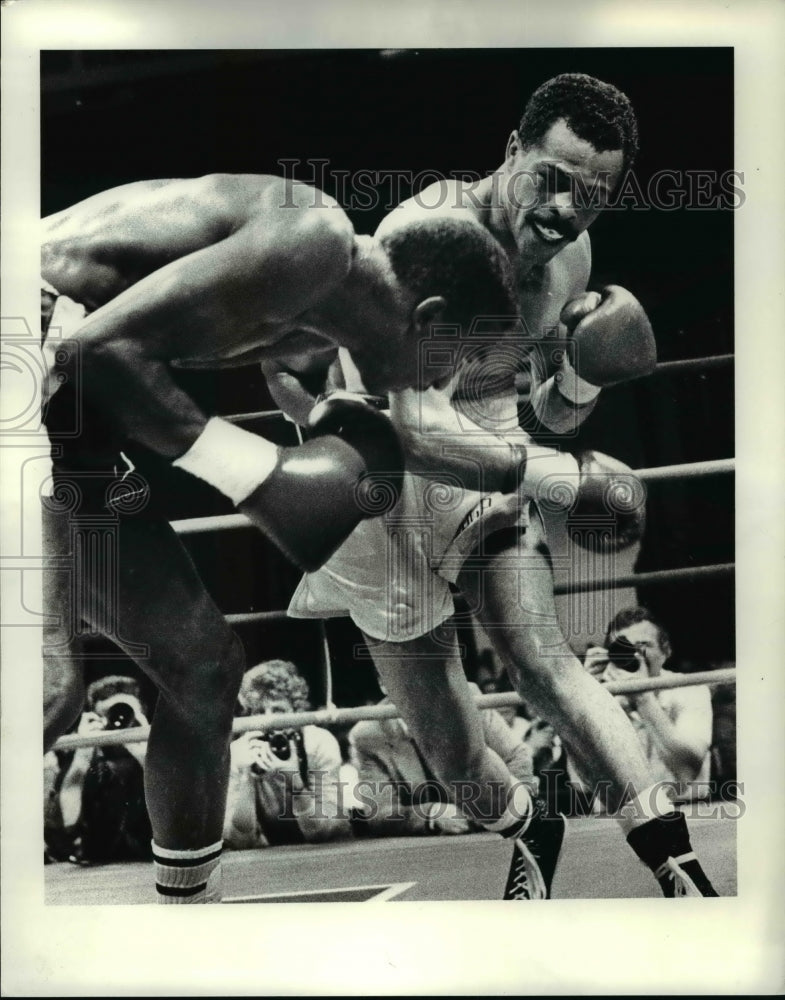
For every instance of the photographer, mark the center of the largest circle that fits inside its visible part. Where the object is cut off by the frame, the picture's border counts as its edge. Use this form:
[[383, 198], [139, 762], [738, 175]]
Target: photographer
[[101, 794], [284, 786], [674, 725]]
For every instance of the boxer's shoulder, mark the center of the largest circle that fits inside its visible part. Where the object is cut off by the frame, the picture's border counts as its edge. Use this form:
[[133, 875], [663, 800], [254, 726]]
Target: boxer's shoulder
[[447, 198]]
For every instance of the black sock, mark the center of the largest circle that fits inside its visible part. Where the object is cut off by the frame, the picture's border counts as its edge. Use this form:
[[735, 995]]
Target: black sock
[[666, 837], [660, 838]]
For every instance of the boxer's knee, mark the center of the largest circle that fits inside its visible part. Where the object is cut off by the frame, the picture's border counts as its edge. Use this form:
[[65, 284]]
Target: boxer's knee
[[205, 685]]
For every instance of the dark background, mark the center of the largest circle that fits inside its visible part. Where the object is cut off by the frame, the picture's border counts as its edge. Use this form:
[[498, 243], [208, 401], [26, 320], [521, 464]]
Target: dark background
[[113, 117]]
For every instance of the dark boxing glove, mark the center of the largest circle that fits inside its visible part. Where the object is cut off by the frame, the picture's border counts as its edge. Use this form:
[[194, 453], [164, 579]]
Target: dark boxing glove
[[612, 341], [349, 470]]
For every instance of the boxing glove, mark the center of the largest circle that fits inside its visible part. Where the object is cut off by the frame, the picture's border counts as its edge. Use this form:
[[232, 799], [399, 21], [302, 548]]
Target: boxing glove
[[611, 341], [604, 499], [349, 470], [607, 489]]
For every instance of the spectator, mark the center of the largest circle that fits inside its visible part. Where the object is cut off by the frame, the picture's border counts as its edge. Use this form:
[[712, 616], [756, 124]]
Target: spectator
[[96, 808], [518, 723], [548, 758], [399, 793], [674, 725], [284, 786]]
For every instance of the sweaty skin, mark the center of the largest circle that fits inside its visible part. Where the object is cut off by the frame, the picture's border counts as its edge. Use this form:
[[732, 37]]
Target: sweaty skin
[[217, 271], [517, 609], [544, 286], [525, 206]]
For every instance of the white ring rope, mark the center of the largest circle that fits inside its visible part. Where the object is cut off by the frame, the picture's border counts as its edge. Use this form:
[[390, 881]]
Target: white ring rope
[[343, 716], [689, 470]]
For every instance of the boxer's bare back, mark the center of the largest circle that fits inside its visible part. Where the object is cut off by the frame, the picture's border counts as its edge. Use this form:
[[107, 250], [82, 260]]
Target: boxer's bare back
[[197, 269]]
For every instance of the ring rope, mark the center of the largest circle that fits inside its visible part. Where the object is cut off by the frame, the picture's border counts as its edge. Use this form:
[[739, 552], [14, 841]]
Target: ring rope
[[238, 418], [685, 574], [660, 576], [655, 578], [343, 716], [689, 470], [693, 364], [663, 368], [216, 522], [253, 617]]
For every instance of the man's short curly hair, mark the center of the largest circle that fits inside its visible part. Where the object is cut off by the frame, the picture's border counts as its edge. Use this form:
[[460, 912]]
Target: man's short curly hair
[[273, 680], [457, 259], [595, 111]]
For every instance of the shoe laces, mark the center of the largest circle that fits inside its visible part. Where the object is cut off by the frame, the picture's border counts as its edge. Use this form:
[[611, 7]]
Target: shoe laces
[[525, 883], [672, 871]]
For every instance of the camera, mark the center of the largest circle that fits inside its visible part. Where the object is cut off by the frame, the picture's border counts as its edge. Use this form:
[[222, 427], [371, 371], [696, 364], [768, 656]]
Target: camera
[[621, 654], [280, 741], [121, 715]]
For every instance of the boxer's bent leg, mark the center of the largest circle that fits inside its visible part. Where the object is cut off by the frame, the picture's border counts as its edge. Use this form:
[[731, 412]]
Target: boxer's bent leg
[[518, 610], [161, 615], [424, 677], [512, 597], [197, 662]]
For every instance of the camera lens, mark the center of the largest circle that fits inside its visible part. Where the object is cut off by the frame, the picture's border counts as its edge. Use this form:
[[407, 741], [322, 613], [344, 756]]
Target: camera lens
[[621, 654], [279, 744], [120, 716]]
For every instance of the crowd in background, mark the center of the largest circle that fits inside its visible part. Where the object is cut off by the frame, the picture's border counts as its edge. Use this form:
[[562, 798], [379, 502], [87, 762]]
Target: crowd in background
[[291, 785]]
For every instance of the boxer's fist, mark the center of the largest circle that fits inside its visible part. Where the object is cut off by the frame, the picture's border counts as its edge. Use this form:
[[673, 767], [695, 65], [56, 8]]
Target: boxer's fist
[[612, 337], [317, 494], [358, 421]]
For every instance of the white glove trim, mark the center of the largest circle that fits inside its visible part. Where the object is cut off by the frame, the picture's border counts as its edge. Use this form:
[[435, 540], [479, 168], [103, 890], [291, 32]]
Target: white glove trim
[[229, 458], [574, 388]]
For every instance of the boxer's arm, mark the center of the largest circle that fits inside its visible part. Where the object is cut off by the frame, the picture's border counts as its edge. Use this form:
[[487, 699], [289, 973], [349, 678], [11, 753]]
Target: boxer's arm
[[288, 392], [211, 302], [438, 439], [552, 408]]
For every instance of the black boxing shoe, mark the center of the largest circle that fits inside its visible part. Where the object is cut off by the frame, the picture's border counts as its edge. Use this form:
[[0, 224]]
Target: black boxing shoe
[[663, 843], [535, 855], [683, 876]]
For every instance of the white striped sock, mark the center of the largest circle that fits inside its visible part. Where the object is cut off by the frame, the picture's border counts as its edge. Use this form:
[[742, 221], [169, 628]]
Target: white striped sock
[[188, 876]]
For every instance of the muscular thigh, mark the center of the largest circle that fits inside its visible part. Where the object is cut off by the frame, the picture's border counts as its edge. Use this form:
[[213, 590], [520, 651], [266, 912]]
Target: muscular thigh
[[129, 579], [509, 590], [511, 581], [424, 677]]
